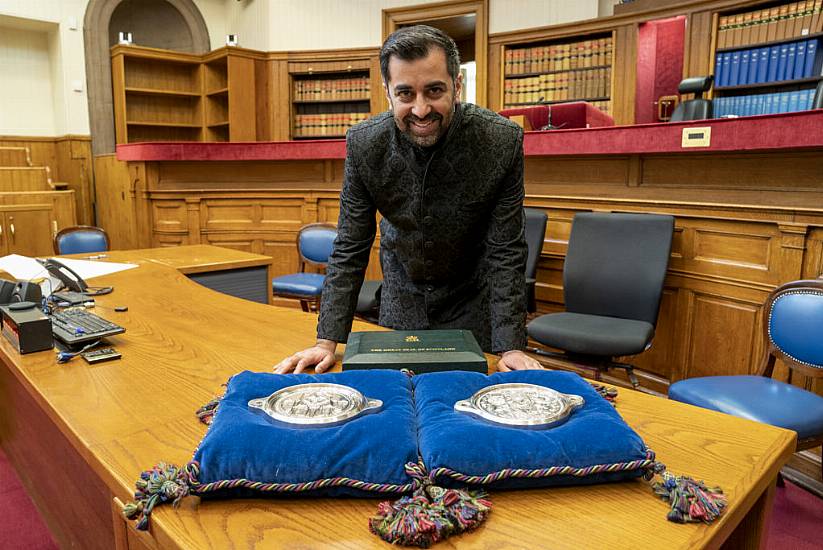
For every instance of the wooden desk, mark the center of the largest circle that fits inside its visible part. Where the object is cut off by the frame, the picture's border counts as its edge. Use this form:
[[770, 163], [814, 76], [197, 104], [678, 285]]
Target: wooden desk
[[79, 436], [233, 272]]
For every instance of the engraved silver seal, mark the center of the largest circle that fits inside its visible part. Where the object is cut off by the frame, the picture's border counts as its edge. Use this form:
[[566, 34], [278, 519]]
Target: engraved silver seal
[[523, 405], [317, 404]]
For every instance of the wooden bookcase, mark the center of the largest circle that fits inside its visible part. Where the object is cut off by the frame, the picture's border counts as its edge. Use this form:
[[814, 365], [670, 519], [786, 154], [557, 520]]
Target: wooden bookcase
[[161, 95], [581, 61], [328, 94], [767, 57], [575, 68], [157, 95]]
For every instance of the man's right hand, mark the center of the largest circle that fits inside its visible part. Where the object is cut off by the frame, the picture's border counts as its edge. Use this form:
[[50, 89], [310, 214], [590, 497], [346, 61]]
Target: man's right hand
[[320, 356]]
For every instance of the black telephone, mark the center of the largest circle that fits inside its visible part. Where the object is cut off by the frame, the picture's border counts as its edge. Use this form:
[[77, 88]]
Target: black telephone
[[70, 279], [66, 275]]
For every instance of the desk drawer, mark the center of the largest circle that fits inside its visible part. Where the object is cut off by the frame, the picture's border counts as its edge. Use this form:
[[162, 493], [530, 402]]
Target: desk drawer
[[249, 283]]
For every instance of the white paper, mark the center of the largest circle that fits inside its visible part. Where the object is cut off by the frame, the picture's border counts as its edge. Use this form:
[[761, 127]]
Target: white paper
[[88, 269]]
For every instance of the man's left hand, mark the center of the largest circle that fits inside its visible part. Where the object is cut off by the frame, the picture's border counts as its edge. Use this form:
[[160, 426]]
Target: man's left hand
[[517, 360]]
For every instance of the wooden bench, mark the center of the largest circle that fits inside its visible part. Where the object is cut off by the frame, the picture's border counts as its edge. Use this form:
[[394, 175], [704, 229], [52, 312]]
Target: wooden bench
[[15, 156], [26, 178]]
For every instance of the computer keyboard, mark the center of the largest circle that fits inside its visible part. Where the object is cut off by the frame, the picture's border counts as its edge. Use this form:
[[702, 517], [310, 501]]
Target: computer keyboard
[[78, 326]]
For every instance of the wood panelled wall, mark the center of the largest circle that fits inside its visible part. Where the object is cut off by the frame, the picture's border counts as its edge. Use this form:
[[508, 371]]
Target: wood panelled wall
[[255, 206], [70, 161], [746, 222]]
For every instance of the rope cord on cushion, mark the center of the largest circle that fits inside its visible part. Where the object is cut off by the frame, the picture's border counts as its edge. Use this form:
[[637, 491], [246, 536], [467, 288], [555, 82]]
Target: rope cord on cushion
[[690, 500], [167, 482]]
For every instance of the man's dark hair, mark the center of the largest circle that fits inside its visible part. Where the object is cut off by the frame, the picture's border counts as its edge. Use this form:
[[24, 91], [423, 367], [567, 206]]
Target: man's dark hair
[[410, 43]]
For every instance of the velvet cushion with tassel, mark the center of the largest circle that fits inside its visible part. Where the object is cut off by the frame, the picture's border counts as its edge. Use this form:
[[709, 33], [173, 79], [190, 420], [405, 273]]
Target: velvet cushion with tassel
[[460, 449], [246, 444]]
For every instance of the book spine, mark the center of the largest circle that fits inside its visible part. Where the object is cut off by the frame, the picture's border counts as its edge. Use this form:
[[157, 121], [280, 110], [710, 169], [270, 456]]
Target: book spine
[[800, 61], [745, 57], [781, 64], [734, 74], [811, 56], [762, 65], [791, 56]]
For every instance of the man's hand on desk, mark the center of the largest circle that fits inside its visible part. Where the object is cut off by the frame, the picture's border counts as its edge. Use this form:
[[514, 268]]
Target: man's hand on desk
[[517, 360], [321, 355]]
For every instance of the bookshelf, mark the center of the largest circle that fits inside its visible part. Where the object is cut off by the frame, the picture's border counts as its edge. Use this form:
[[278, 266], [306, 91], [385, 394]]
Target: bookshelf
[[156, 97], [160, 95], [574, 68], [327, 97], [767, 58]]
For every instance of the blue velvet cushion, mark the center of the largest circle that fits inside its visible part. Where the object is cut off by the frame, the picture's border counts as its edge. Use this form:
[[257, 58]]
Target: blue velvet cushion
[[242, 443], [594, 435], [304, 284], [756, 398]]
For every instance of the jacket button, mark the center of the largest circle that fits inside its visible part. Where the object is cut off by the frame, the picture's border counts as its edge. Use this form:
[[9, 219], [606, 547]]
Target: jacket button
[[429, 288], [429, 263], [428, 220], [429, 244]]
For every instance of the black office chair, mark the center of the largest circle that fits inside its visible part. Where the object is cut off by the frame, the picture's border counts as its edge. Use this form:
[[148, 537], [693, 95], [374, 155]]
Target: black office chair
[[368, 300], [817, 102], [612, 282], [535, 235], [698, 108]]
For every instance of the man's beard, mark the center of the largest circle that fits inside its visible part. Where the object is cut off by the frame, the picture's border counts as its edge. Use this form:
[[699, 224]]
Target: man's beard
[[427, 140]]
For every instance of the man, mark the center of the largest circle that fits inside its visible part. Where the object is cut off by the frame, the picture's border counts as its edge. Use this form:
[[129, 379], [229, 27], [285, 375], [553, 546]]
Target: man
[[448, 180]]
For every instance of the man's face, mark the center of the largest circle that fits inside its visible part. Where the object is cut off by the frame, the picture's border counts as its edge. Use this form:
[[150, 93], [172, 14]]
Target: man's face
[[422, 96]]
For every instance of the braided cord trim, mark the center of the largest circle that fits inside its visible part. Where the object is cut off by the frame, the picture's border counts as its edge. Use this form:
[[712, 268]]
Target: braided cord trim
[[193, 470], [508, 473]]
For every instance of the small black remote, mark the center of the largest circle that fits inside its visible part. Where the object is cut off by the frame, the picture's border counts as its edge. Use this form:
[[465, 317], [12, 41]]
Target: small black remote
[[100, 355]]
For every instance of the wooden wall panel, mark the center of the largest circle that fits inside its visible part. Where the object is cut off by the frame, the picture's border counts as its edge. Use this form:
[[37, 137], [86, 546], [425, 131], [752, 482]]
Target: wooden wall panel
[[711, 348], [115, 200]]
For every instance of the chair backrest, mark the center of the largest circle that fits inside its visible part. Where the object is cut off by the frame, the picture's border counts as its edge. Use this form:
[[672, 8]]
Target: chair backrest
[[315, 243], [81, 239], [535, 235], [817, 102], [697, 108], [793, 327], [616, 264]]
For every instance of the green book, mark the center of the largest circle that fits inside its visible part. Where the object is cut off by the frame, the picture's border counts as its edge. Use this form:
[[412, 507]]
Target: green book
[[420, 351]]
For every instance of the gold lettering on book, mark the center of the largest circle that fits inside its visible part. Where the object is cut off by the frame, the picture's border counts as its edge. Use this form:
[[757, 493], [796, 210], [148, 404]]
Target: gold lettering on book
[[390, 350]]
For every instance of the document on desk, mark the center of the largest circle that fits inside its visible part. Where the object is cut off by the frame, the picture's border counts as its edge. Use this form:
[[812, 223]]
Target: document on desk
[[26, 269]]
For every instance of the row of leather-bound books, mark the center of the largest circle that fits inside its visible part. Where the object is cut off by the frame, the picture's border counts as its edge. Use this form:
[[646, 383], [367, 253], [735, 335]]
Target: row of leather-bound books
[[784, 22], [566, 85], [332, 89], [326, 124], [558, 57]]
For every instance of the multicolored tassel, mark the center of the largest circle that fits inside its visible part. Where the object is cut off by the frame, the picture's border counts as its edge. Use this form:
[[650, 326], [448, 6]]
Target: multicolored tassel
[[607, 393], [431, 515], [163, 483], [206, 412], [691, 501]]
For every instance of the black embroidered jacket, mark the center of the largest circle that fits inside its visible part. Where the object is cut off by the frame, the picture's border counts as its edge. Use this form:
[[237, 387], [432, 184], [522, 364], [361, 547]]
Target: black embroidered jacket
[[452, 244]]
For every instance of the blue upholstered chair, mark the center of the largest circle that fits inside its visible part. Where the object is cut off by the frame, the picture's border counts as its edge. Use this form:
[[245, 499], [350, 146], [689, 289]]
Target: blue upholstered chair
[[793, 332], [612, 282], [81, 239], [315, 243]]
